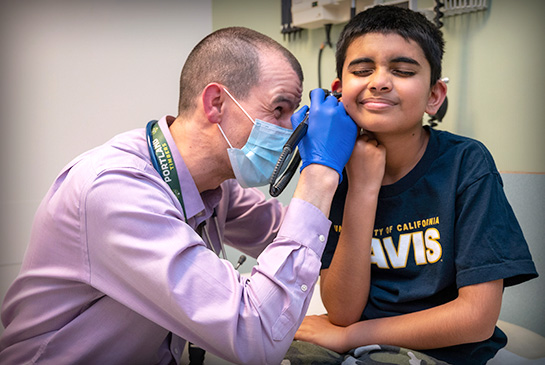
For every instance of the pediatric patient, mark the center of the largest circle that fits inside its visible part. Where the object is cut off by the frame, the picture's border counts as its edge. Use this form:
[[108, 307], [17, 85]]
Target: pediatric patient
[[423, 239]]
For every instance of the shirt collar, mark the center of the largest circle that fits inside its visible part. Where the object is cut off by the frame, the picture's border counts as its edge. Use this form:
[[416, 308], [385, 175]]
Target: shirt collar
[[195, 207]]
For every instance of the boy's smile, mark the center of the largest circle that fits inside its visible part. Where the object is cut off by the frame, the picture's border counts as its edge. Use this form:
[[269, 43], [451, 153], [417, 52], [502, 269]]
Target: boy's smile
[[386, 83]]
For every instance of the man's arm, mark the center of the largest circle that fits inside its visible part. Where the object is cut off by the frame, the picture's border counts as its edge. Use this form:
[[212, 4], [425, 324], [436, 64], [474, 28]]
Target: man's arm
[[317, 185]]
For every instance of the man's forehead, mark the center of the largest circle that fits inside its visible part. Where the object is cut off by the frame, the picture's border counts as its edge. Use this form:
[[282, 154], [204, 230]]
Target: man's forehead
[[281, 80]]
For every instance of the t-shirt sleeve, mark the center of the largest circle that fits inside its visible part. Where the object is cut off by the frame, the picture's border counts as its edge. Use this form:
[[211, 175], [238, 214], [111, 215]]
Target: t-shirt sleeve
[[490, 244]]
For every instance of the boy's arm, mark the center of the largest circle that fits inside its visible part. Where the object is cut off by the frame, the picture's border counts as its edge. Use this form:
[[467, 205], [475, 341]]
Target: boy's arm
[[345, 285], [469, 318]]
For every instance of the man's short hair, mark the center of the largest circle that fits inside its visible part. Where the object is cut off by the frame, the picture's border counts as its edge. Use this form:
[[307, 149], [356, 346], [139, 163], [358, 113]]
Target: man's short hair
[[231, 57]]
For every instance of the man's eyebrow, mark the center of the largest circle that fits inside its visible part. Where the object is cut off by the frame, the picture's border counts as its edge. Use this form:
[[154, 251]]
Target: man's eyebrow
[[282, 99]]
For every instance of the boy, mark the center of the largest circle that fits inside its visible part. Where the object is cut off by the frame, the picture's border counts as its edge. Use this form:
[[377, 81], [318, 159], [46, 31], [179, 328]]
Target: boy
[[428, 239]]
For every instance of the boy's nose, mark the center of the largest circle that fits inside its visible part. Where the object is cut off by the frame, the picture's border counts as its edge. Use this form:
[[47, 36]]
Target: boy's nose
[[380, 81]]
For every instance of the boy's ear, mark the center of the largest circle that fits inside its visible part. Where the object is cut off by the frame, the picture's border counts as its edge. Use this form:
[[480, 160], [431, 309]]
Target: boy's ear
[[336, 85], [437, 95], [212, 99]]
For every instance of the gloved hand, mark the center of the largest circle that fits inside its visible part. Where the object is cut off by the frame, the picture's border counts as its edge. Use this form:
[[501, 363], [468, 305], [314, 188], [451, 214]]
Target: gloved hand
[[331, 133]]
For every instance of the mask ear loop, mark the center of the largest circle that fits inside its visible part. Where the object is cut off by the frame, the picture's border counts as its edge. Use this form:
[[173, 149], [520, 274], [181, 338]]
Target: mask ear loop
[[240, 106], [224, 136]]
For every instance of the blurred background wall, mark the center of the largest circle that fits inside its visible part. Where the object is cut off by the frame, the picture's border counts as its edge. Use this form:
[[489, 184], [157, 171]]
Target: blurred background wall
[[73, 74]]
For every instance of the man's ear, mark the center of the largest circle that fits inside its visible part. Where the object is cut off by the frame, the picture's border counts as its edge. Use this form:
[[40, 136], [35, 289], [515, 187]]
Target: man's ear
[[437, 95], [336, 85], [212, 101]]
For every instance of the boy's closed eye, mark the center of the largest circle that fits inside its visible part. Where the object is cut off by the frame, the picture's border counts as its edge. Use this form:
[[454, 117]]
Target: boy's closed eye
[[403, 73], [399, 66], [396, 70], [405, 66]]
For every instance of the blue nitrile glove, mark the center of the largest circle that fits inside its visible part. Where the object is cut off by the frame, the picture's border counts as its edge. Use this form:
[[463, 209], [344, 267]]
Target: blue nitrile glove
[[331, 133]]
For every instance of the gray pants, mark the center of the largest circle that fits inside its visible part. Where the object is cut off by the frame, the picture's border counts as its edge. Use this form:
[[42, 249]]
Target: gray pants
[[304, 353]]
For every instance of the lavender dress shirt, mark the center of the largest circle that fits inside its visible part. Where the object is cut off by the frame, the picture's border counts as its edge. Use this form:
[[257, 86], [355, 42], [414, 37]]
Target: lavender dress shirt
[[114, 275]]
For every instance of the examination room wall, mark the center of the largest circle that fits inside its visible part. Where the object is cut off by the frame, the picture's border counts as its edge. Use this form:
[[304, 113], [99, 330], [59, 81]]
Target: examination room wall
[[494, 61], [74, 74]]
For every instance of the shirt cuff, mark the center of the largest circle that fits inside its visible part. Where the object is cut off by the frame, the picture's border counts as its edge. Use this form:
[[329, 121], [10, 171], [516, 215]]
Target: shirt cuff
[[310, 231]]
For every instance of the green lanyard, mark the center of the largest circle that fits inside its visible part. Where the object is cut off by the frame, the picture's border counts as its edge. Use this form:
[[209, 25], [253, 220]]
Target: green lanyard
[[167, 169]]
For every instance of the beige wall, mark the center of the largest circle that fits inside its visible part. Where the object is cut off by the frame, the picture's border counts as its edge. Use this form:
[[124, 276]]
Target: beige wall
[[75, 73], [494, 61]]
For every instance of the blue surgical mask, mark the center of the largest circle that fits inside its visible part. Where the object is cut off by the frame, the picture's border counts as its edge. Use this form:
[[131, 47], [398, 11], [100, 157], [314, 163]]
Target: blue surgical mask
[[255, 162]]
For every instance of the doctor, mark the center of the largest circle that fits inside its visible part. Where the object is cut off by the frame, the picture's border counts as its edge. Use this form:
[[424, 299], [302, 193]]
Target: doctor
[[116, 271]]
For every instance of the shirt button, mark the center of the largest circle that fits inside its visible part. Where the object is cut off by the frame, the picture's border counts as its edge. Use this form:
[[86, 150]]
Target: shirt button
[[176, 351], [321, 238], [304, 287]]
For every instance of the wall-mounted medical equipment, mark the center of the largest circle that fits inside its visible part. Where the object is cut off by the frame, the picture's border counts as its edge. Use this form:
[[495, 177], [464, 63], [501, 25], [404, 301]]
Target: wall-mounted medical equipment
[[288, 28], [312, 14], [442, 8], [456, 7]]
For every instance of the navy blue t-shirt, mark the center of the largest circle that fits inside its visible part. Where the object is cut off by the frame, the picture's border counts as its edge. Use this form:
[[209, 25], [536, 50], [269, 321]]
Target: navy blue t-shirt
[[445, 225]]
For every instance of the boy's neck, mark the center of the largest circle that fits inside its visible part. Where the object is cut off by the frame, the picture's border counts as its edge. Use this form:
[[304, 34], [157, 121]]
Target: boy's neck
[[403, 152]]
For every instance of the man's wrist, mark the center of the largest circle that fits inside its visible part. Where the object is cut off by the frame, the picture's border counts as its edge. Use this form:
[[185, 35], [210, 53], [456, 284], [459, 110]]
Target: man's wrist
[[317, 185]]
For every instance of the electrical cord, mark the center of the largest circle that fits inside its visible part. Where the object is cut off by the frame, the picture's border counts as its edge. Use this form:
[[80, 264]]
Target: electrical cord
[[438, 117], [438, 13], [325, 43]]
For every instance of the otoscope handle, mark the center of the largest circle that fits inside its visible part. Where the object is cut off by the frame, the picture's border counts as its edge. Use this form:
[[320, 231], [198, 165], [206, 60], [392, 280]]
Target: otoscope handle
[[277, 185], [301, 129], [297, 135], [287, 150]]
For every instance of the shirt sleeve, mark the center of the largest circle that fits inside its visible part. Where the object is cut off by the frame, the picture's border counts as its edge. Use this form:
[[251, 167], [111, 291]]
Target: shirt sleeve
[[490, 244], [142, 254], [248, 208]]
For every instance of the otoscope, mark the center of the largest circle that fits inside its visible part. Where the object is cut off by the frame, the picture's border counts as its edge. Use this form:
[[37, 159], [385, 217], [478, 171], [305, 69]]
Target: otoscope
[[277, 186]]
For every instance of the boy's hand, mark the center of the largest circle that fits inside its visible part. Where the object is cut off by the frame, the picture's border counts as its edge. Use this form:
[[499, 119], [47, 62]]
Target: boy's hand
[[365, 168], [319, 331], [331, 132]]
